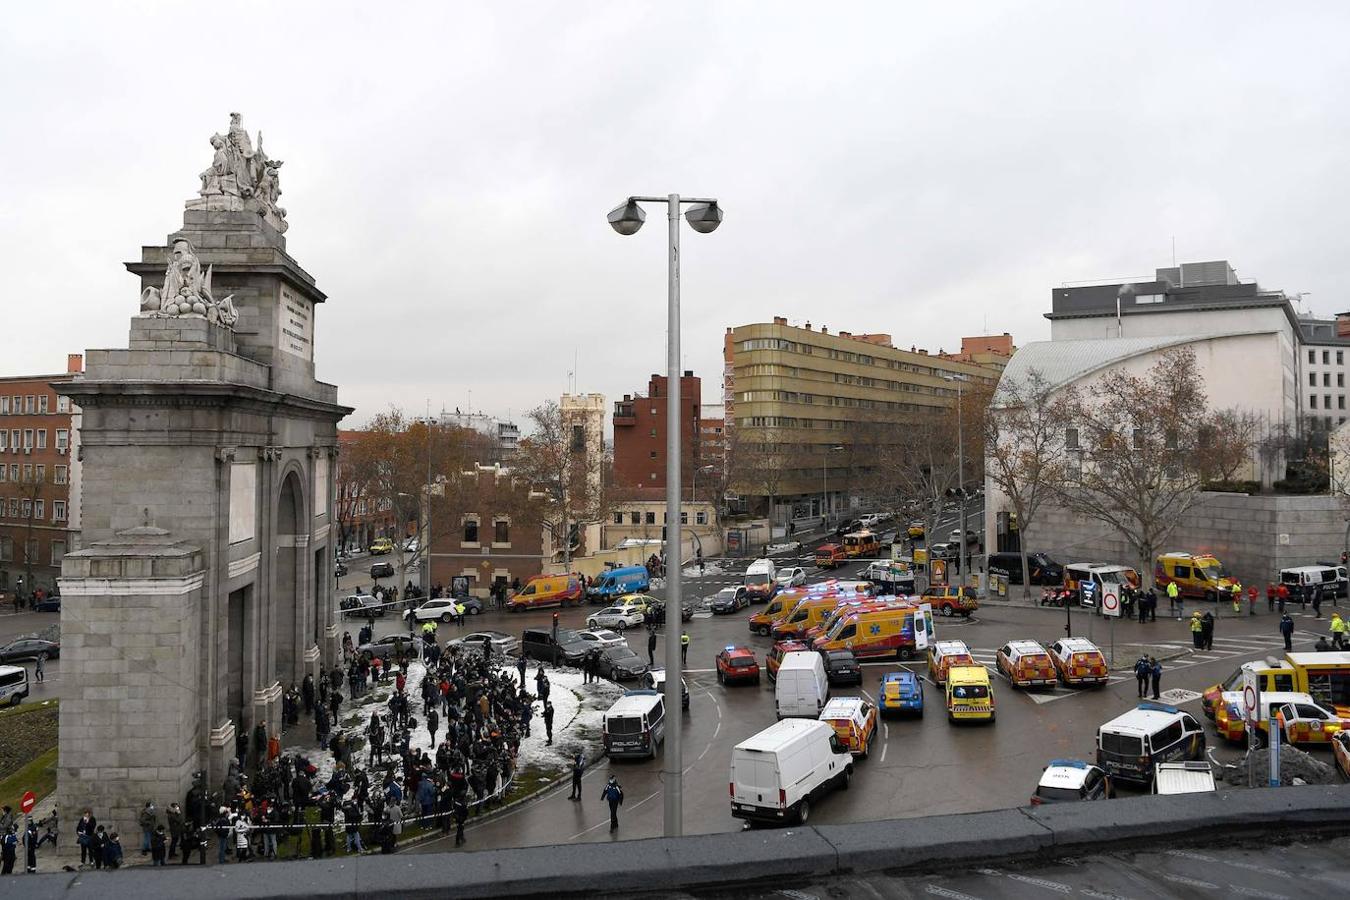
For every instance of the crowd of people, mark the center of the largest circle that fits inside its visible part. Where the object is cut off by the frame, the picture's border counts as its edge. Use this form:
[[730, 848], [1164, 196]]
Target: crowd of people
[[284, 806]]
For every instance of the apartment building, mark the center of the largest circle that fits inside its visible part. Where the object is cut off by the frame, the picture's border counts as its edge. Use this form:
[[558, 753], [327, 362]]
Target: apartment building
[[39, 478], [640, 433], [808, 392], [1322, 359]]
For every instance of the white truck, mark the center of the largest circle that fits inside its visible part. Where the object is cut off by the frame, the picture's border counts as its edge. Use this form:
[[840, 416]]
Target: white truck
[[777, 774], [801, 686]]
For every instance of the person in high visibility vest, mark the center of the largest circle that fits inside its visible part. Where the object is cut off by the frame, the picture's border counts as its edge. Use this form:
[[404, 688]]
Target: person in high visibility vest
[[1174, 598], [1237, 599], [1338, 630], [1197, 629], [684, 647]]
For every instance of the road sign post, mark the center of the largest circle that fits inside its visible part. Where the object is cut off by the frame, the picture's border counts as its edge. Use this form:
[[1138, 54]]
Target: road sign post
[[1251, 712]]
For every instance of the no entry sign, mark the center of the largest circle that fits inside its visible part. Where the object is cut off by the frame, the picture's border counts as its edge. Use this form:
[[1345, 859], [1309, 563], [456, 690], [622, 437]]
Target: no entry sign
[[1110, 603], [27, 802]]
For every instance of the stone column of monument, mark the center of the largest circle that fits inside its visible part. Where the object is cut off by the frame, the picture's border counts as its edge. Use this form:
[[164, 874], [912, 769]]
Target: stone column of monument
[[208, 433]]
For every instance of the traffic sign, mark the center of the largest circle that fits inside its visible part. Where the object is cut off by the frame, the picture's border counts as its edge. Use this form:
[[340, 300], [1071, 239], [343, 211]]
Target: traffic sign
[[1251, 696], [1110, 604], [28, 801]]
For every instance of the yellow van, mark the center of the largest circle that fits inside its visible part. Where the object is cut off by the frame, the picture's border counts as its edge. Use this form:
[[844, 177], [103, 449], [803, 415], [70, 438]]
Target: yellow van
[[779, 607], [1196, 575], [807, 614], [547, 590], [970, 696]]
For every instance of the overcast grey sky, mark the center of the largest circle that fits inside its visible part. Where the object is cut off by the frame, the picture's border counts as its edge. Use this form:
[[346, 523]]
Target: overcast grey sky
[[928, 171]]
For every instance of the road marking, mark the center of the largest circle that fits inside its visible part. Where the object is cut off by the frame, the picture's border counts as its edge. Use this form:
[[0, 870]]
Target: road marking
[[884, 748], [1254, 892], [1193, 882], [947, 892], [1190, 854], [1042, 882], [606, 821]]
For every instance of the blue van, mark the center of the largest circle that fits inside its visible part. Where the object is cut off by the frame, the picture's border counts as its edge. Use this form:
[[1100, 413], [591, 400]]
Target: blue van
[[615, 582]]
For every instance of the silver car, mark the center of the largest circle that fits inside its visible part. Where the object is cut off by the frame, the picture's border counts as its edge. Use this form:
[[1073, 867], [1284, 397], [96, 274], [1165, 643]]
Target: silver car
[[601, 638], [502, 644]]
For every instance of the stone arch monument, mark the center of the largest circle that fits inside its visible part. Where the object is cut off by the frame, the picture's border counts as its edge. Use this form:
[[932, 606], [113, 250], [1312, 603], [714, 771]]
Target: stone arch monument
[[205, 585]]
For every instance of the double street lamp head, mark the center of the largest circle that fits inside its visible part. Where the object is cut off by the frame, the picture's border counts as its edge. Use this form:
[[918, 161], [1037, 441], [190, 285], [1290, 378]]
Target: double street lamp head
[[627, 217]]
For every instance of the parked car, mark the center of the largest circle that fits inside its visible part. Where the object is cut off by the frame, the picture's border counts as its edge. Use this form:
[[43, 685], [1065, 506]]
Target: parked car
[[48, 604], [411, 545], [616, 617], [728, 600], [564, 648], [658, 610], [790, 577], [655, 680], [951, 600], [1071, 780], [602, 638], [848, 527], [441, 610], [380, 546], [361, 606], [841, 667], [621, 663], [502, 644], [382, 570], [29, 648], [900, 692], [384, 647], [1044, 570], [944, 551], [972, 537]]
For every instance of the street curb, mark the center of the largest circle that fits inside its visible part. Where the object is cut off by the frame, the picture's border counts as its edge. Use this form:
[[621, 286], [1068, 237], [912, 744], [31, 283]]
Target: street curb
[[783, 856]]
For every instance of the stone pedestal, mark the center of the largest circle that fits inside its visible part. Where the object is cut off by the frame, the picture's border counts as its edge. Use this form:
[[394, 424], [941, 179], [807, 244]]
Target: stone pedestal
[[130, 639]]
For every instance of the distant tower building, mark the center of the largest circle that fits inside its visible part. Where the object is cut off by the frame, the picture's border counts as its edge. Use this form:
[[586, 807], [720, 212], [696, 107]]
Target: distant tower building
[[583, 418]]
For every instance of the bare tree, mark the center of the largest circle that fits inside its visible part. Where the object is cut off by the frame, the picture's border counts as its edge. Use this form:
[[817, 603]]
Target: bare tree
[[763, 461], [1023, 436], [921, 465], [1143, 461], [32, 493]]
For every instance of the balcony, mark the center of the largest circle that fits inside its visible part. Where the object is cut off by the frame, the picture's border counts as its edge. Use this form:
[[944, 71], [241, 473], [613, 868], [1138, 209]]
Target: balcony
[[623, 414]]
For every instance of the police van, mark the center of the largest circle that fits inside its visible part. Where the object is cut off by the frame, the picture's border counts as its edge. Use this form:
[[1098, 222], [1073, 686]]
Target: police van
[[13, 685], [1131, 745], [635, 725]]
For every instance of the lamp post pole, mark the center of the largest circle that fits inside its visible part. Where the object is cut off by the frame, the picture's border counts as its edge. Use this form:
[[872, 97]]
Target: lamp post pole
[[963, 555], [704, 216]]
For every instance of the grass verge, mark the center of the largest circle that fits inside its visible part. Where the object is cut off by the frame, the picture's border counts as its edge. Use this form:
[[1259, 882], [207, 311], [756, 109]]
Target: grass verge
[[38, 776]]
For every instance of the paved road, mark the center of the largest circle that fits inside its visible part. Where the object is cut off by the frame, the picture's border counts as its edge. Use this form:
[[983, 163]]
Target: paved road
[[921, 767], [1279, 868]]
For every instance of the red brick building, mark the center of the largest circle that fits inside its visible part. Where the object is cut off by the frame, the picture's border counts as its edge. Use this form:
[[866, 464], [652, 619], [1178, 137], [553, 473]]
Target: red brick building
[[39, 479], [487, 527], [640, 433]]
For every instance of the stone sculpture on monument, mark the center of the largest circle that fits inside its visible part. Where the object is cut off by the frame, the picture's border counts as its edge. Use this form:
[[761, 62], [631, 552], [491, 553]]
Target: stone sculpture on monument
[[241, 178]]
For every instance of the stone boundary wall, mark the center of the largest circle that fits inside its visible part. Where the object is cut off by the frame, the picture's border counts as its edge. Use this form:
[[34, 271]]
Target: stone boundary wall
[[1253, 535], [763, 857]]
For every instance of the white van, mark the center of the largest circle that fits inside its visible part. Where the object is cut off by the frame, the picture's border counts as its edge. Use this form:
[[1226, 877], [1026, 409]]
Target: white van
[[801, 687], [759, 581], [777, 774], [1299, 578], [635, 725], [13, 685]]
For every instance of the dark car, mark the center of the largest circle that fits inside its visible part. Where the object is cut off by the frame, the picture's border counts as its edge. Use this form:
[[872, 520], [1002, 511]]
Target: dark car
[[841, 667], [360, 606], [728, 600], [621, 663], [567, 648], [384, 647], [848, 527], [48, 604], [657, 611], [29, 648], [382, 570], [1044, 570]]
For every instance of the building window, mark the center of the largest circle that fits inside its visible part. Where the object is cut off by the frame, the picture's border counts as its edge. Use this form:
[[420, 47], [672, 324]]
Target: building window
[[4, 441], [58, 510], [635, 518], [14, 439], [1312, 401], [1326, 379], [1326, 401], [28, 438], [63, 439], [1340, 379], [1340, 401], [701, 517], [652, 455], [28, 473], [1312, 357], [6, 549], [39, 509], [63, 404], [618, 518], [42, 439], [41, 474], [653, 432], [470, 531], [578, 438], [1071, 439], [1312, 379], [13, 508], [684, 517], [18, 404], [2, 478], [1326, 357], [42, 404], [4, 406], [13, 471], [26, 508], [58, 552], [1340, 357], [29, 404], [650, 518], [501, 532], [652, 476]]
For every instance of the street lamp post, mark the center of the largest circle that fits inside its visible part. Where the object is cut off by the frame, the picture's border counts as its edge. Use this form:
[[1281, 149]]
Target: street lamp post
[[693, 488], [825, 485], [703, 215], [963, 557]]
